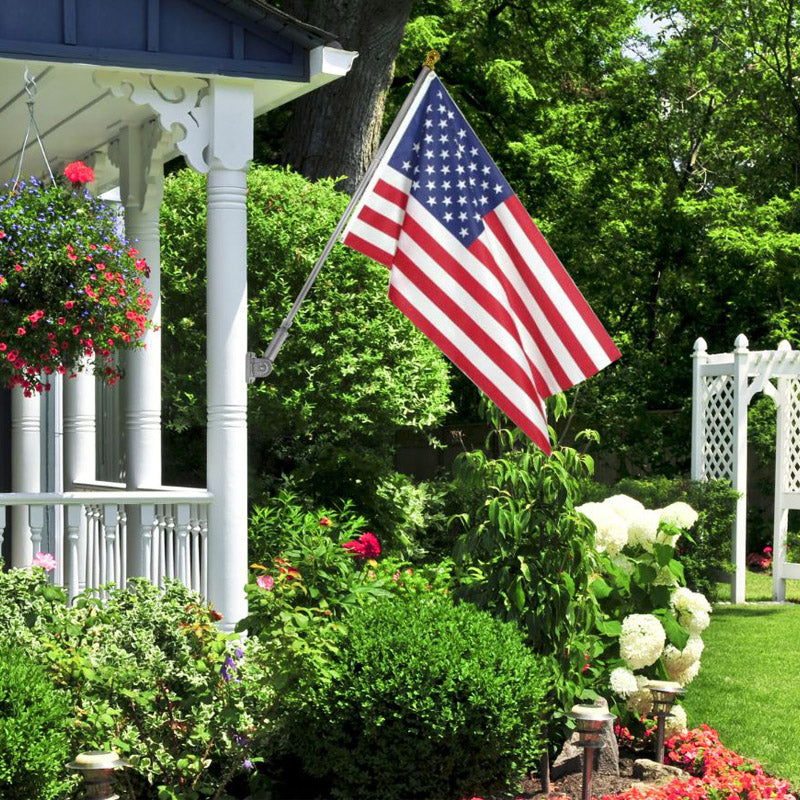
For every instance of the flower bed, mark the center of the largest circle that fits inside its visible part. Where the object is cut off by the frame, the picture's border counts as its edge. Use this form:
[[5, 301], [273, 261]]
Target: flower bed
[[715, 773]]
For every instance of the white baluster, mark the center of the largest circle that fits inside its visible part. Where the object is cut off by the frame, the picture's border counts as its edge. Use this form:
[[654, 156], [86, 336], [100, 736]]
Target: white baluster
[[170, 542], [162, 544], [182, 525], [204, 553], [146, 515], [122, 548], [73, 536], [110, 523], [2, 525], [36, 524], [194, 527]]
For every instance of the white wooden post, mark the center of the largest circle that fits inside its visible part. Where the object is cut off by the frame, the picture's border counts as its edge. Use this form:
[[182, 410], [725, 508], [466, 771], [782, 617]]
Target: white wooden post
[[141, 190], [25, 469], [781, 513], [739, 479], [699, 357], [230, 110]]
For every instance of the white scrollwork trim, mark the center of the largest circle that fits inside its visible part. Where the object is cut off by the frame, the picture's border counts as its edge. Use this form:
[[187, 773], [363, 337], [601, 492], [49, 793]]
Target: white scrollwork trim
[[180, 103]]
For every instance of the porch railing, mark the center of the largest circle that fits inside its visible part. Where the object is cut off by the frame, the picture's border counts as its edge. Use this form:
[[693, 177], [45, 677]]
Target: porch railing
[[106, 534]]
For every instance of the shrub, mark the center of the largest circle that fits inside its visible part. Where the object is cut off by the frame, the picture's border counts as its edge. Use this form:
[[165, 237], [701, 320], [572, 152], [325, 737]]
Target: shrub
[[34, 748], [352, 370], [428, 700], [707, 553]]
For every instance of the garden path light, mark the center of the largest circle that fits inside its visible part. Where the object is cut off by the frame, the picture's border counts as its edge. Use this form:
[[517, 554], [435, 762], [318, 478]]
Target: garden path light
[[98, 768], [589, 721], [664, 695]]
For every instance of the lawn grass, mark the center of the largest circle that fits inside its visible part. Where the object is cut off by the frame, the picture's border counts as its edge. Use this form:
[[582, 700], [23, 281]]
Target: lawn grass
[[748, 687], [758, 587]]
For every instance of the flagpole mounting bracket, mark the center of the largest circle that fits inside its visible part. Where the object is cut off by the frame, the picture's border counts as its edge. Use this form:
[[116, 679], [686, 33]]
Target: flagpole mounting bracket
[[257, 367]]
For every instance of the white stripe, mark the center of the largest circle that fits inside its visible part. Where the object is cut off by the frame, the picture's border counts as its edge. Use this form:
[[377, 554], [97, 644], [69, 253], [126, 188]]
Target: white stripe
[[493, 287], [372, 235], [560, 351], [382, 166], [552, 288], [469, 349]]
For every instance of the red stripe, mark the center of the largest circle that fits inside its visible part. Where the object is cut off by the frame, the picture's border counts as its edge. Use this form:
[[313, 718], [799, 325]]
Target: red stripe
[[548, 307], [450, 349], [462, 276], [368, 249], [369, 216], [523, 312], [462, 320], [390, 193], [562, 276]]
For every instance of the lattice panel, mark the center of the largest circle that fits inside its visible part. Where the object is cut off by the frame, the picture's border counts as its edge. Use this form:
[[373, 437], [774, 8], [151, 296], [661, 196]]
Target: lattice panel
[[718, 416], [792, 429]]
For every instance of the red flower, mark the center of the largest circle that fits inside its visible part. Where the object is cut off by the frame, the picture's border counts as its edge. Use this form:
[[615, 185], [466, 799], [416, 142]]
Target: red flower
[[325, 522], [78, 172], [366, 546]]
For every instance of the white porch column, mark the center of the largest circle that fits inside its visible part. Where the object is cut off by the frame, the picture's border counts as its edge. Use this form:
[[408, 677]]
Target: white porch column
[[230, 149], [26, 453], [80, 465], [141, 191]]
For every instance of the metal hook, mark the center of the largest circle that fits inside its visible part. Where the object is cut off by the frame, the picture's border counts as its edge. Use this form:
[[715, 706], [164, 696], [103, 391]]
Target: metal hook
[[30, 85]]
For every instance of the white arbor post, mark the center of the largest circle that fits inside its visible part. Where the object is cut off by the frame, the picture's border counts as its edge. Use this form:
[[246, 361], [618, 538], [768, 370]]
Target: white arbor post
[[230, 150], [141, 190], [25, 469], [783, 441], [739, 480], [699, 359]]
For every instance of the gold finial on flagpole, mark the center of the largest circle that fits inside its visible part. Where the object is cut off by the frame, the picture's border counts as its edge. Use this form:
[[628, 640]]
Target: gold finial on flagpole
[[431, 59]]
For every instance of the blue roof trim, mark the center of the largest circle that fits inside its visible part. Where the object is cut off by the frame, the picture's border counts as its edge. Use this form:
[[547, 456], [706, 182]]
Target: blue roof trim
[[193, 36]]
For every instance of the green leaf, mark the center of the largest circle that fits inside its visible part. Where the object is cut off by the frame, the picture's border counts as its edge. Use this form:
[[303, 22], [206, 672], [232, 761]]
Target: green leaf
[[663, 553], [600, 589]]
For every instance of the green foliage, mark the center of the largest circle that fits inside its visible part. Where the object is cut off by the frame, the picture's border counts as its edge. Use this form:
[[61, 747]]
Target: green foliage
[[353, 368], [429, 700], [706, 554], [529, 551], [34, 747], [148, 674]]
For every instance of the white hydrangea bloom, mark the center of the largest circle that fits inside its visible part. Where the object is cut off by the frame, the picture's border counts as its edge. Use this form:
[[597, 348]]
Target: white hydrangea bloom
[[625, 506], [641, 701], [623, 682], [693, 609], [681, 515], [688, 675], [644, 528], [676, 722], [611, 531], [695, 622], [641, 641], [678, 661]]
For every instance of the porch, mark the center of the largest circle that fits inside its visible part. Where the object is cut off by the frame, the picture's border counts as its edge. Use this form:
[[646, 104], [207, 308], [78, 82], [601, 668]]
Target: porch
[[127, 86]]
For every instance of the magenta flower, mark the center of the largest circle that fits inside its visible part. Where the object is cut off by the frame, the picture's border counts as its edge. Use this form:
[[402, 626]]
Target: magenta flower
[[44, 560], [265, 582], [366, 546]]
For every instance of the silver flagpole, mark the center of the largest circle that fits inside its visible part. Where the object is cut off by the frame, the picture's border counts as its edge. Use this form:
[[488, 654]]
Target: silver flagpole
[[261, 367]]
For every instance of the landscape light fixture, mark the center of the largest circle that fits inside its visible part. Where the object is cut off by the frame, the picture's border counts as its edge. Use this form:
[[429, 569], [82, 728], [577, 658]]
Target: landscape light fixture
[[664, 695], [589, 722], [98, 768]]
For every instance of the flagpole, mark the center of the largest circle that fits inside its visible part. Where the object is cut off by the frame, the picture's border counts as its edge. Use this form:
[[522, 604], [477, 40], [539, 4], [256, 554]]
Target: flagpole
[[261, 367]]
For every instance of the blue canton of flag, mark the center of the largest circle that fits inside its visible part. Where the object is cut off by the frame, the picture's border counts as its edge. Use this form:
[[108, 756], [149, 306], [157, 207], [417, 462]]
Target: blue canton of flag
[[470, 268], [452, 174]]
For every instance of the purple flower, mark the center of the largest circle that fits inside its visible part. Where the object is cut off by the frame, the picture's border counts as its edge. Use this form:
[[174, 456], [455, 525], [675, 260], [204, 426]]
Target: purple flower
[[247, 764]]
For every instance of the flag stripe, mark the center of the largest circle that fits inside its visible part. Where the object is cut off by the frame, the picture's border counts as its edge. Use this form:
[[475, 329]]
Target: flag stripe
[[466, 355], [367, 247], [542, 249], [442, 279]]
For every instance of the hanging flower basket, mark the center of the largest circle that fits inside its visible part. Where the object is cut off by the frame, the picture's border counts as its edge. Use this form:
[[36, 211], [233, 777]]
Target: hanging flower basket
[[71, 288]]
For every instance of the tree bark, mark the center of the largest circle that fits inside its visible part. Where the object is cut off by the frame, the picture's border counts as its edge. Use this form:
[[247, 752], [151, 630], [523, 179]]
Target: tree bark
[[334, 131]]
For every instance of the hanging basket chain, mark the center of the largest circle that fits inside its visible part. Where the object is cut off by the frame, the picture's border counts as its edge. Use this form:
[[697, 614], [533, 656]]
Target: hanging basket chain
[[31, 88]]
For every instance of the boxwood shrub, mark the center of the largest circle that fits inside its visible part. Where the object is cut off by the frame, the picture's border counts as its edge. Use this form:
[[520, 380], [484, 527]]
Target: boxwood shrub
[[427, 700]]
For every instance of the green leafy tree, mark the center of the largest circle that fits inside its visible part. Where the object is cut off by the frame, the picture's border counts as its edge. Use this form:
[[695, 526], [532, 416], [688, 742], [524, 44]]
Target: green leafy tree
[[352, 370]]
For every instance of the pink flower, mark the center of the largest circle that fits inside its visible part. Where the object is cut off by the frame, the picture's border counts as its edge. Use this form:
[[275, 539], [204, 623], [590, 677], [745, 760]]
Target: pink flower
[[78, 172], [44, 560], [366, 546], [265, 582]]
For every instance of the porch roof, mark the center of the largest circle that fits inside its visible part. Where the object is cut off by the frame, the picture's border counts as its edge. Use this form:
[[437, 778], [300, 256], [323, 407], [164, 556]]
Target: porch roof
[[63, 44]]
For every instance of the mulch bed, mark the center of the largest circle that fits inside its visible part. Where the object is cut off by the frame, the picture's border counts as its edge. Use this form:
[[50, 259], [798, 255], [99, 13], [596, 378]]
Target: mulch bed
[[571, 784]]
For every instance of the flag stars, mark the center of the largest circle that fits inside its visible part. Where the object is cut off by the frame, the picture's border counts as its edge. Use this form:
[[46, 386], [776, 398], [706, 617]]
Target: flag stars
[[486, 169], [430, 169], [498, 188], [462, 201], [463, 216], [428, 138], [444, 139], [473, 151], [415, 147], [430, 185], [445, 169], [442, 123], [442, 109], [431, 201], [406, 166], [447, 217], [483, 199], [463, 232], [484, 185], [429, 154], [428, 123], [446, 185], [460, 169], [447, 200], [461, 134], [472, 166]]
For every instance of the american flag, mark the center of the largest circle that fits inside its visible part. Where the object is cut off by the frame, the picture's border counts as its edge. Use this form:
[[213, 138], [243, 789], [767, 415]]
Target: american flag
[[470, 268]]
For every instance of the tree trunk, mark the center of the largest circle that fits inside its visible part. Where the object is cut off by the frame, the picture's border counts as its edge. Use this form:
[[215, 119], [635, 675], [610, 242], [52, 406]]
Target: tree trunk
[[335, 130]]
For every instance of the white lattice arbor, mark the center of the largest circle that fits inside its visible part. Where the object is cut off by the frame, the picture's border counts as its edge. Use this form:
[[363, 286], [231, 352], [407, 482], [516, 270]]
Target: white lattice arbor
[[723, 386]]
